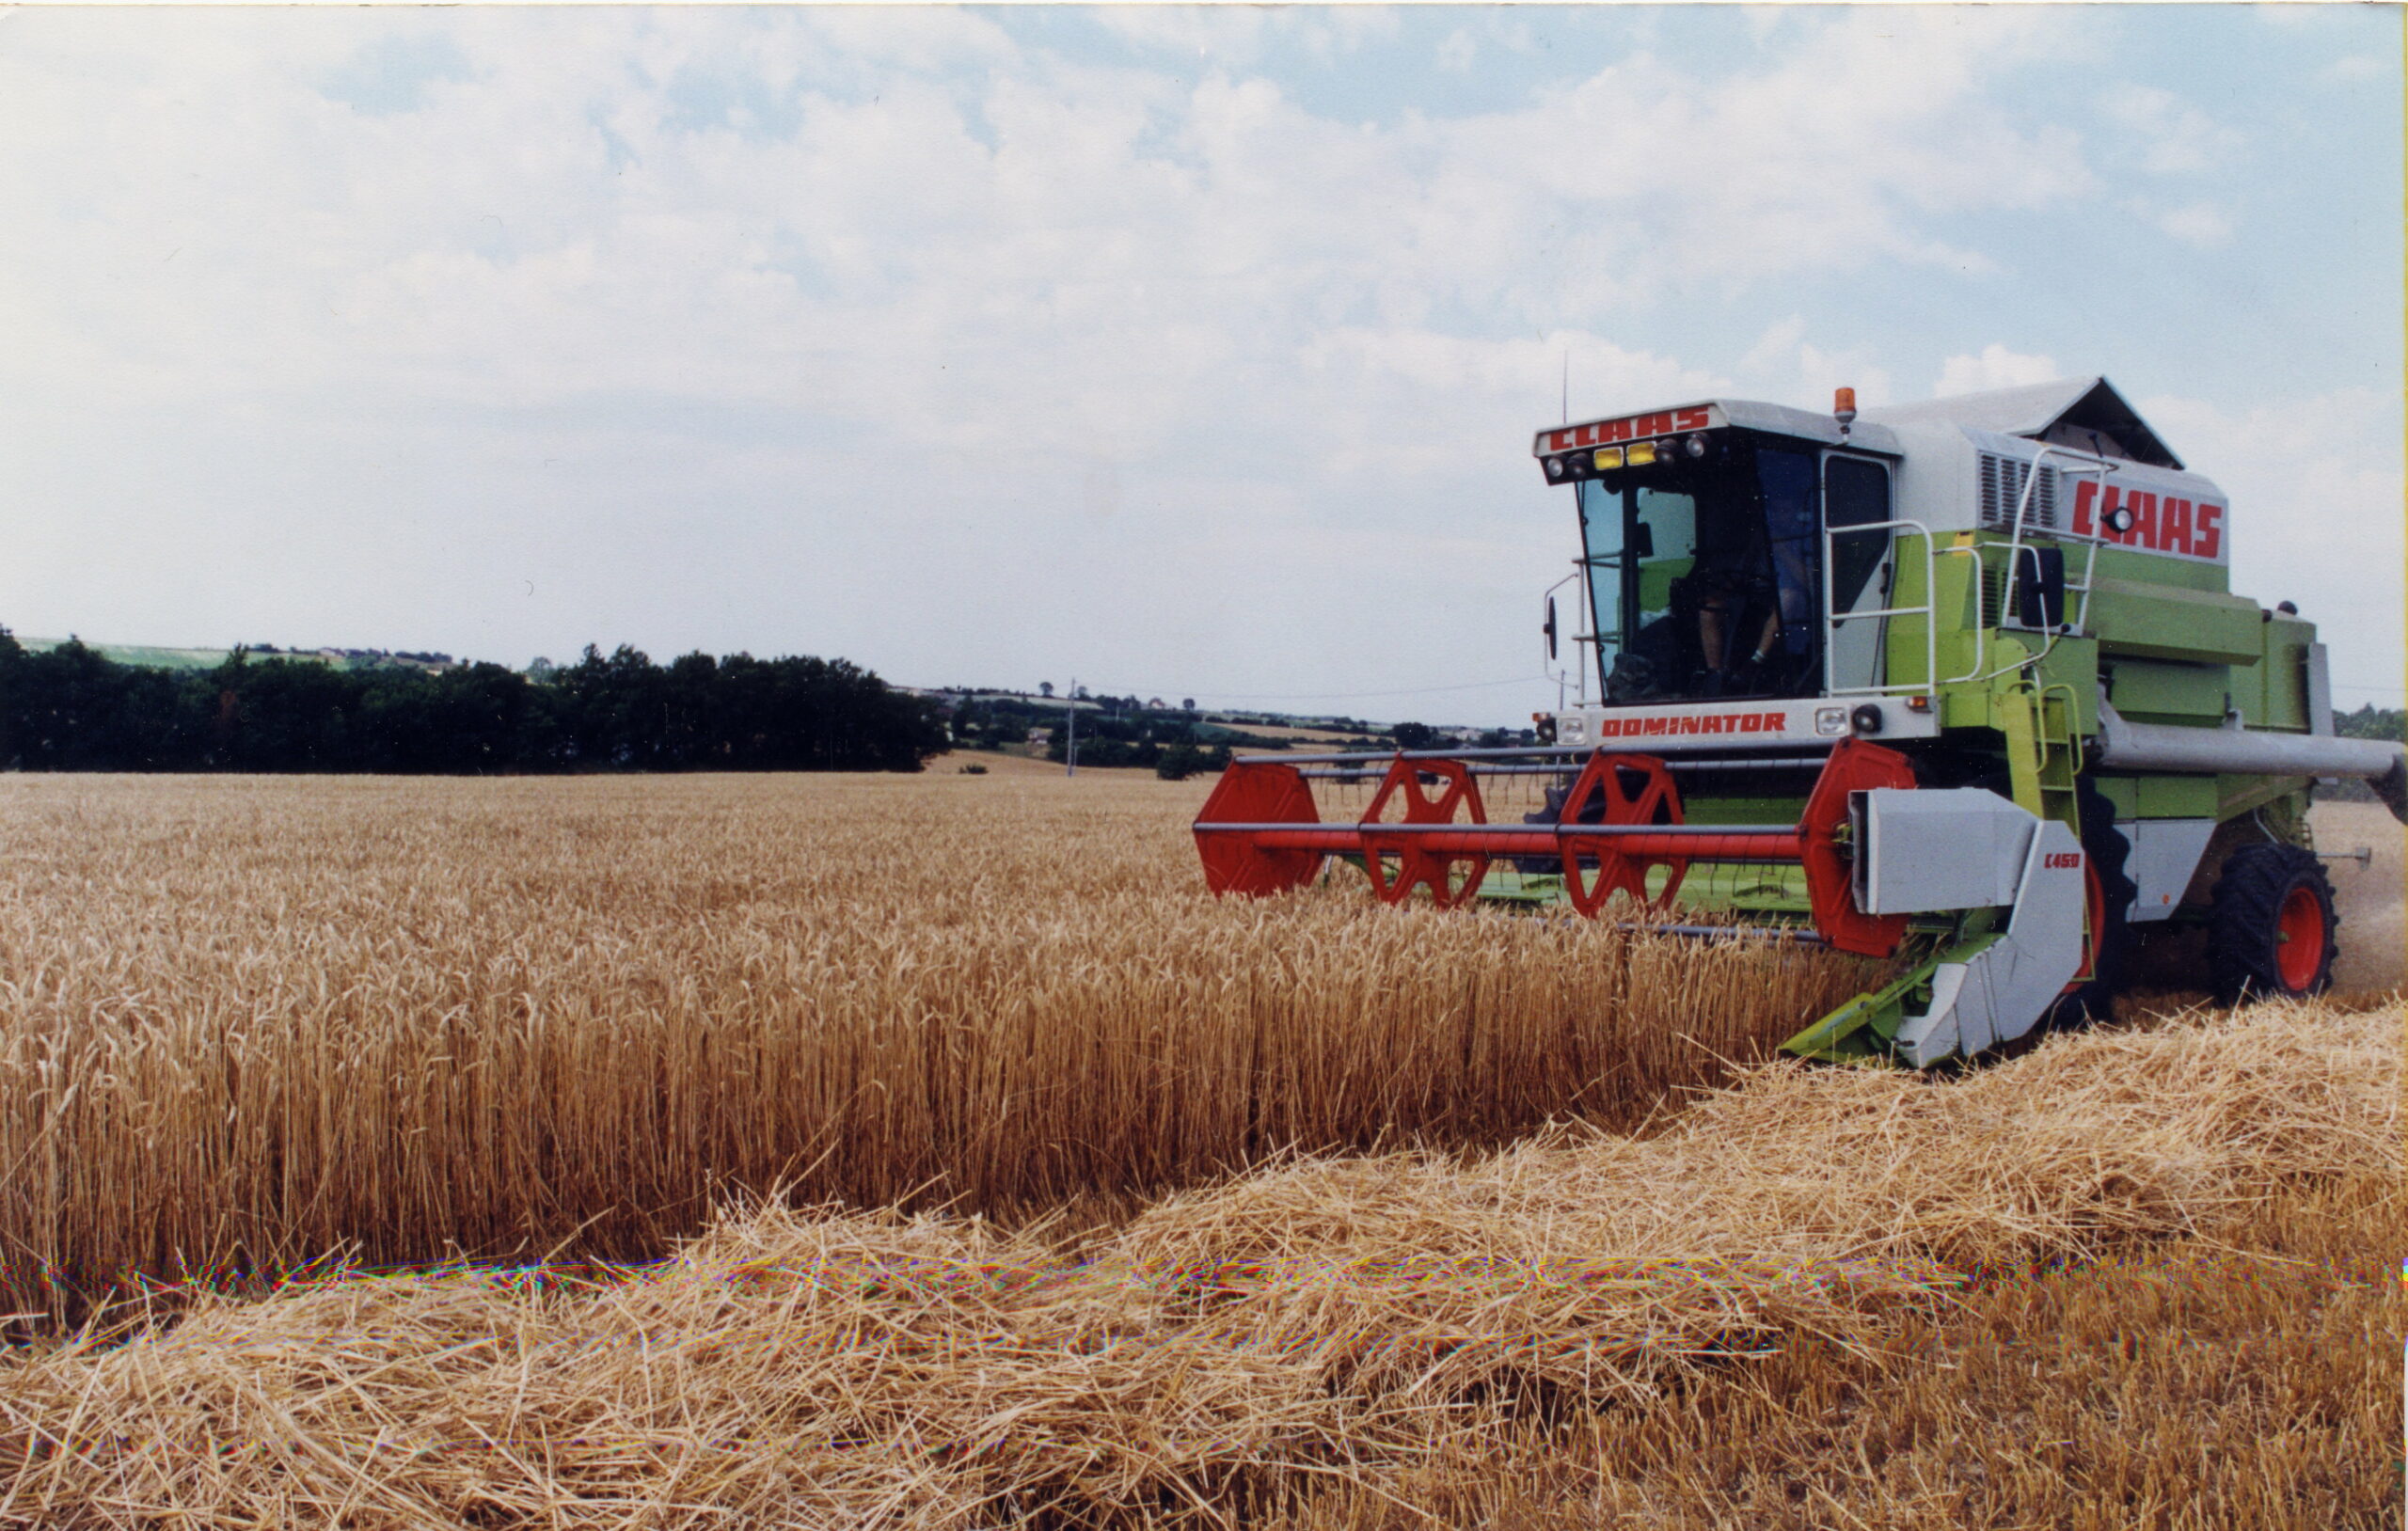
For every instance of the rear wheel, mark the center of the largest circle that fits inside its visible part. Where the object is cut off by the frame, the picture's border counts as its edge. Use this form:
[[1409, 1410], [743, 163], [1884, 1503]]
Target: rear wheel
[[2273, 925]]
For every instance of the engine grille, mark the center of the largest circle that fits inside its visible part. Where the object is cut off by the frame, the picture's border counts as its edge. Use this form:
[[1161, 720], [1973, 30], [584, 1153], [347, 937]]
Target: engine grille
[[2003, 482]]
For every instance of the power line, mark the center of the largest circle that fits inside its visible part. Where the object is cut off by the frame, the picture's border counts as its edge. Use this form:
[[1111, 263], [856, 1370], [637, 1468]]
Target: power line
[[1353, 696], [1486, 685], [1319, 695]]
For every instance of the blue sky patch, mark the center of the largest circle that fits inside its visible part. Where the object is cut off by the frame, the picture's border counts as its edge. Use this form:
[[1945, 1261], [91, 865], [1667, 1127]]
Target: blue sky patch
[[394, 73]]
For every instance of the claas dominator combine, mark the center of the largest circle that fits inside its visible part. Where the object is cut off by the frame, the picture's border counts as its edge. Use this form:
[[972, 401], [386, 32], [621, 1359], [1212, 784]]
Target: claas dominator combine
[[1959, 685]]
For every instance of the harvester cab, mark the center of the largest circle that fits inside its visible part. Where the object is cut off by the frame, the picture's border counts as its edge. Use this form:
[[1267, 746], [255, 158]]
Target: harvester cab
[[1956, 686]]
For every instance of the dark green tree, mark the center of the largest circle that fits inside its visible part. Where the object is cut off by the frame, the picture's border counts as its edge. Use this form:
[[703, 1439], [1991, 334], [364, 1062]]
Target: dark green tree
[[72, 709]]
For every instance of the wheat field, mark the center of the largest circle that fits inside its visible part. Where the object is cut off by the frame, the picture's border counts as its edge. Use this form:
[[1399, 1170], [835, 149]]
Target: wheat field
[[248, 1024], [1821, 1298], [2368, 897], [932, 1152]]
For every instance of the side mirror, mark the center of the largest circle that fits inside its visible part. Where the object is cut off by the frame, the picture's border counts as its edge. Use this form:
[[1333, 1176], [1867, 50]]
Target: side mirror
[[2040, 588], [1550, 628]]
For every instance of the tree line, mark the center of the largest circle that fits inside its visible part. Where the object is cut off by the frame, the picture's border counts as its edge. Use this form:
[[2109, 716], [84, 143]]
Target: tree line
[[2372, 722], [1173, 742], [70, 708]]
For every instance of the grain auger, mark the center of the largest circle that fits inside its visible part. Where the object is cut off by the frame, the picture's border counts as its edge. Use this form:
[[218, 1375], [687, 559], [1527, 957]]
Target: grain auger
[[1955, 686]]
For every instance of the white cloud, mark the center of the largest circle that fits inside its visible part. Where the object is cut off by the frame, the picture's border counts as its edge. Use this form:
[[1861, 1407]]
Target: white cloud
[[1776, 347], [1822, 373], [1996, 366], [1459, 52], [2202, 224], [1785, 365], [1230, 35], [2168, 136], [1764, 22], [1224, 34], [2354, 66], [2316, 487], [737, 323], [499, 245], [1380, 389]]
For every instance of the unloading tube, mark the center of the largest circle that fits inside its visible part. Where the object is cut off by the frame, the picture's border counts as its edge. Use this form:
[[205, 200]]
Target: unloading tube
[[2157, 746]]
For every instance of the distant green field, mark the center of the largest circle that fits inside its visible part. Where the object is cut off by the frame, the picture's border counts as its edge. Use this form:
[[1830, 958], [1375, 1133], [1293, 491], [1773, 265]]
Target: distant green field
[[145, 657], [132, 654]]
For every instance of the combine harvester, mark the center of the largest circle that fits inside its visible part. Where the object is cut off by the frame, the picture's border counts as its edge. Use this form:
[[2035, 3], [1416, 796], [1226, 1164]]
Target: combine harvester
[[1957, 684]]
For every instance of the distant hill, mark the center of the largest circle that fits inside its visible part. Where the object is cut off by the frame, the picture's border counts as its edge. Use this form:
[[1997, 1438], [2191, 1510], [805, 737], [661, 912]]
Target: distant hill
[[138, 655], [1209, 722], [144, 656]]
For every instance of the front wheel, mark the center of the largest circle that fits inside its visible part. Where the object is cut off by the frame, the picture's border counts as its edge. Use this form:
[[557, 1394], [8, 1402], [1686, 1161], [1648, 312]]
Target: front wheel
[[2107, 946], [2271, 932]]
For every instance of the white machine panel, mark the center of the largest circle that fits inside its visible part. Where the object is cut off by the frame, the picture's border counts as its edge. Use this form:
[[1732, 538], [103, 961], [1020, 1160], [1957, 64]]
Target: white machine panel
[[2164, 854], [2001, 991], [1664, 728], [1936, 850]]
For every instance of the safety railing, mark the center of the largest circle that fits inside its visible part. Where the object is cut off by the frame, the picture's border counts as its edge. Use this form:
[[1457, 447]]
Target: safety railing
[[2016, 550], [1833, 619]]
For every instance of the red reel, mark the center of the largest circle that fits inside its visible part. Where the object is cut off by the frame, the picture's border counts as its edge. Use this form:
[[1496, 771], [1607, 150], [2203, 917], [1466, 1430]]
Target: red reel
[[1417, 865], [1629, 789], [1257, 792], [1854, 767]]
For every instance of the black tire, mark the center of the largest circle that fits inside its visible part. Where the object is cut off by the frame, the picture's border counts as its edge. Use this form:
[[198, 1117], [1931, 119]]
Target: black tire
[[2269, 898], [2110, 852], [1549, 809]]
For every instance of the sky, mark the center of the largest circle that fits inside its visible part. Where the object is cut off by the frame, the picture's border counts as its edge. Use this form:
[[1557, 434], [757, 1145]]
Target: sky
[[1185, 352]]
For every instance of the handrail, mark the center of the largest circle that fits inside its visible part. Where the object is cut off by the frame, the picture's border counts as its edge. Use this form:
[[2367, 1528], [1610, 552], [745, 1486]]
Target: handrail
[[2014, 549], [2073, 720], [1929, 610], [1832, 618], [1492, 753]]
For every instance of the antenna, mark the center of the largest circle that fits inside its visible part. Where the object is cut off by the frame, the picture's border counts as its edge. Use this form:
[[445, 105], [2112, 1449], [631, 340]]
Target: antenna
[[1567, 386]]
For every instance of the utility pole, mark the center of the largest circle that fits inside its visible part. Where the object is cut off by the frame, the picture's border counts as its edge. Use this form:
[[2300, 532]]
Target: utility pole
[[1070, 752]]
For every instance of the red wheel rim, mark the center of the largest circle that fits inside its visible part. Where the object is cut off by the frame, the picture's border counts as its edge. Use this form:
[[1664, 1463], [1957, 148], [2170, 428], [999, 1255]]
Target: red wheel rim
[[2095, 929], [2299, 936]]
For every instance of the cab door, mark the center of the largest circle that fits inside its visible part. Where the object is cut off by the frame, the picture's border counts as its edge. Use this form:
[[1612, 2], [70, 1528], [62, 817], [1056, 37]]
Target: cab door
[[1857, 570]]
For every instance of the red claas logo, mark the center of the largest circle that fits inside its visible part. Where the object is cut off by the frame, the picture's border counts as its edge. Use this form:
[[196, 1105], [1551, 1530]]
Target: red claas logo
[[2063, 859], [1634, 428], [2141, 518]]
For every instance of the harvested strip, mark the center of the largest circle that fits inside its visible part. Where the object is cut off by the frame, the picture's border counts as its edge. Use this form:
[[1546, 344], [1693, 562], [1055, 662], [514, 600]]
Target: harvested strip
[[1336, 1319]]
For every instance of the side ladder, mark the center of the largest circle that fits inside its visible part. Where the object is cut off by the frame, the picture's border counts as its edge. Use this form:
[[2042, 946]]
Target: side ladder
[[2043, 755]]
